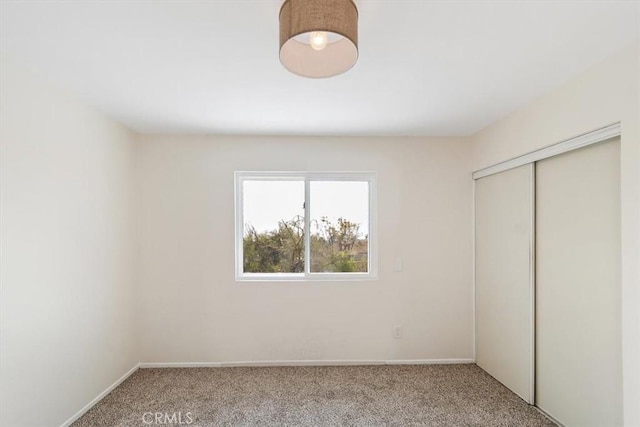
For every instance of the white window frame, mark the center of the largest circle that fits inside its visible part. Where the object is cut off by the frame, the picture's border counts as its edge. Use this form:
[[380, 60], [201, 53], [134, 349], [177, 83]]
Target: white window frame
[[306, 177]]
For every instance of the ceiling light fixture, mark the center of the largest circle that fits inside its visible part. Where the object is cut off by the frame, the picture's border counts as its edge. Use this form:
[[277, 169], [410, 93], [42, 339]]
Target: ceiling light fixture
[[318, 38]]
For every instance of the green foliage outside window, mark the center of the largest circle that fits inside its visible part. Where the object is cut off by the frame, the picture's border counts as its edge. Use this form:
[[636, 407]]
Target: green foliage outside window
[[336, 247]]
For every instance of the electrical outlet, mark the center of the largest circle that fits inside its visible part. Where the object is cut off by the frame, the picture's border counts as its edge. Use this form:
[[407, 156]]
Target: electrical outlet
[[397, 331]]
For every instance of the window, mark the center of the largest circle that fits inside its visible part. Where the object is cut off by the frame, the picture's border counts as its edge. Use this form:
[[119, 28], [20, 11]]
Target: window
[[305, 226]]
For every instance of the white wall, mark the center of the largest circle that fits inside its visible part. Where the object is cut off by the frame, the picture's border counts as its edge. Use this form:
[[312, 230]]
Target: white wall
[[192, 310], [605, 94], [67, 241]]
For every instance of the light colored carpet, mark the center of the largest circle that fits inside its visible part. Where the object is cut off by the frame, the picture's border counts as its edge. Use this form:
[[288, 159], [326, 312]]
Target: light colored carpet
[[436, 395]]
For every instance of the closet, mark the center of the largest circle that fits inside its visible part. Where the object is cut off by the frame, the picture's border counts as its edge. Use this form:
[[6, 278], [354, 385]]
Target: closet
[[547, 278], [503, 278]]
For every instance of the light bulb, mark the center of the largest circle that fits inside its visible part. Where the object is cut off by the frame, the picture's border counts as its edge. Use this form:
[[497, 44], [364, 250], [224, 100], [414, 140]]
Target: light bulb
[[318, 40]]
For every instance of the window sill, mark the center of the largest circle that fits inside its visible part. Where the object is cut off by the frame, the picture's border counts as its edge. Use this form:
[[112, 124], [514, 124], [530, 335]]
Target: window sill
[[315, 277]]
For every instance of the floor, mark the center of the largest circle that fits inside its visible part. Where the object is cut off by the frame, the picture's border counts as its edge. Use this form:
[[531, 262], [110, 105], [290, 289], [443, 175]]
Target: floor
[[431, 395]]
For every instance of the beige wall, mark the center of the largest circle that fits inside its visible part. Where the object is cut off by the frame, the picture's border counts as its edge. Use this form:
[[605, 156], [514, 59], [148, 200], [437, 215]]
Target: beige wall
[[66, 242], [192, 310], [605, 94]]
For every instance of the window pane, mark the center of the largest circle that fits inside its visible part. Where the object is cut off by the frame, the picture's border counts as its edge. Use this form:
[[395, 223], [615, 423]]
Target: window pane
[[273, 240], [339, 226]]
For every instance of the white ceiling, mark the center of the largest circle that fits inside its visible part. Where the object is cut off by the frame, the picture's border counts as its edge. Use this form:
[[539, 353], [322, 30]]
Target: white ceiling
[[425, 67]]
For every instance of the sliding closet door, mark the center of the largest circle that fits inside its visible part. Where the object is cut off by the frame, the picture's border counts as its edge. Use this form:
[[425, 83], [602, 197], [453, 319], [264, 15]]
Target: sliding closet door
[[578, 322], [504, 210]]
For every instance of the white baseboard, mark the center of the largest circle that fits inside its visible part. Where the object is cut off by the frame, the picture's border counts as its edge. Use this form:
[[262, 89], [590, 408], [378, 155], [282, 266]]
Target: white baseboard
[[429, 361], [266, 363], [300, 363], [149, 365], [98, 398]]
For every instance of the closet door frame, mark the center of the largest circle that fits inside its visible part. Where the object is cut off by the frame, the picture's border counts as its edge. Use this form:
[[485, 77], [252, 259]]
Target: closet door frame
[[584, 140], [532, 286], [594, 137]]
